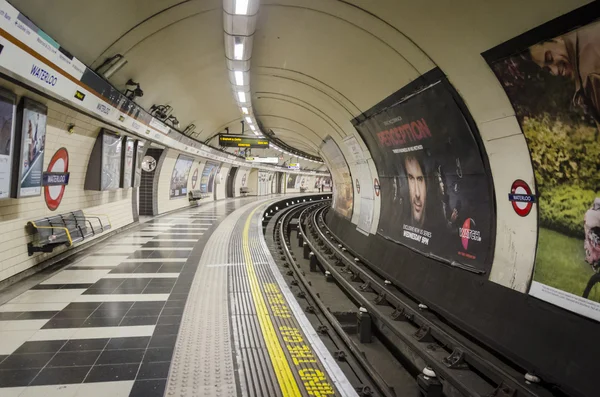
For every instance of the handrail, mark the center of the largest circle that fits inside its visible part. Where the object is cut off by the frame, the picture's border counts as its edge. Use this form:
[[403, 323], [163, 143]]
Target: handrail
[[54, 227], [97, 217]]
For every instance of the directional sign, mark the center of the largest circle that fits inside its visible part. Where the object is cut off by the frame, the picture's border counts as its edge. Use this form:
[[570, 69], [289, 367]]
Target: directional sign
[[521, 197], [273, 160]]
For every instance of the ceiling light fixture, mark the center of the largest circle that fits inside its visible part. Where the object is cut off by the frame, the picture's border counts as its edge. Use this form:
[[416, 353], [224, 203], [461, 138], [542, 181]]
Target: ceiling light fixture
[[242, 96], [241, 7], [248, 120], [253, 128], [239, 77], [244, 110], [238, 50]]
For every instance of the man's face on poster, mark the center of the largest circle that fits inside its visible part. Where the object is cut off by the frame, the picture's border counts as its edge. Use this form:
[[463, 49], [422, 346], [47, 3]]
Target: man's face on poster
[[417, 189], [552, 56]]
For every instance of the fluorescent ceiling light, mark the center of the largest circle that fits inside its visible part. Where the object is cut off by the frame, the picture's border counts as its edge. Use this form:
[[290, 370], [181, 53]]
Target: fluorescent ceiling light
[[253, 128], [248, 120], [244, 110], [238, 51], [239, 77], [242, 96], [241, 7], [256, 133]]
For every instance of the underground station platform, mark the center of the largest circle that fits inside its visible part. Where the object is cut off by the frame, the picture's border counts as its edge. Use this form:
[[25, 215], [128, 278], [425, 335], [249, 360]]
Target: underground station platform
[[187, 304]]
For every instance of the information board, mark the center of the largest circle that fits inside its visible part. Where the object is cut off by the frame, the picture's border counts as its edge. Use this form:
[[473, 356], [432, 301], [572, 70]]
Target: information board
[[228, 140]]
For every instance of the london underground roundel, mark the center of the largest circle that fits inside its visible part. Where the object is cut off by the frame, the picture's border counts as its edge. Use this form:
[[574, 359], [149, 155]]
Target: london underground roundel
[[59, 164], [521, 197]]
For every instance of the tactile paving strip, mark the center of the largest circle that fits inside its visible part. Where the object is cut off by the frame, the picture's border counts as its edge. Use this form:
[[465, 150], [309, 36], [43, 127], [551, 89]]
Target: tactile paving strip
[[202, 363]]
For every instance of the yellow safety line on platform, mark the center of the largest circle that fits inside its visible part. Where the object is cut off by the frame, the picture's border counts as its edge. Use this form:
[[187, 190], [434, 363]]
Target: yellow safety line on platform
[[282, 368]]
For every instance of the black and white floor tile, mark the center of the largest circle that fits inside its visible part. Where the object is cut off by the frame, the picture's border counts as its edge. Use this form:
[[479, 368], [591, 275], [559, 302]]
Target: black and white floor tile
[[107, 324]]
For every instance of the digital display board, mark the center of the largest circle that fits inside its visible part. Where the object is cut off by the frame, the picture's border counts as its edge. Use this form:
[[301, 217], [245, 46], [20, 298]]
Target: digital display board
[[228, 140], [30, 151]]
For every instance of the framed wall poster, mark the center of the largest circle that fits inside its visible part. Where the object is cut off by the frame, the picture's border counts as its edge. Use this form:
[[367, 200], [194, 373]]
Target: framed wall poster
[[140, 149], [8, 119], [29, 147], [551, 76], [127, 153], [180, 175], [111, 161]]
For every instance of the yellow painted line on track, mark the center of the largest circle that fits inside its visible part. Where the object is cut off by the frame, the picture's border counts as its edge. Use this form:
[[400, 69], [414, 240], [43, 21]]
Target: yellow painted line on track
[[283, 371]]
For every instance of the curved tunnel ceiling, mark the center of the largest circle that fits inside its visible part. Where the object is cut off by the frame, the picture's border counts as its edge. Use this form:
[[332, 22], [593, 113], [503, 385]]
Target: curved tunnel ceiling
[[316, 64]]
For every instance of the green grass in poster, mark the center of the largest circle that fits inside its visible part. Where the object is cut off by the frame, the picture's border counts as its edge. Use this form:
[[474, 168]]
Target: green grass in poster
[[560, 263]]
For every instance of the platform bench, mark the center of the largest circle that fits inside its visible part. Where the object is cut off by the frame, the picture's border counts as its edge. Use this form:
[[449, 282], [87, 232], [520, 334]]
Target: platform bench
[[65, 229], [195, 195], [244, 190]]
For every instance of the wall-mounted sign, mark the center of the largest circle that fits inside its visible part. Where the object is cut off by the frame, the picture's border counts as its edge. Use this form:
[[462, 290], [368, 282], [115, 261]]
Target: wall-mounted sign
[[179, 177], [294, 166], [521, 197], [29, 161], [56, 178], [273, 160], [227, 140]]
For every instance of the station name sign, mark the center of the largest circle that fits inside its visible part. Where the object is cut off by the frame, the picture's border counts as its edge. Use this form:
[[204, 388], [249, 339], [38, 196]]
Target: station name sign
[[294, 166], [228, 140]]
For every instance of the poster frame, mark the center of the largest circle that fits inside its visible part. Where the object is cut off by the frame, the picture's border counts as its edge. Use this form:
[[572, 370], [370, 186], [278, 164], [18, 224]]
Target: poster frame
[[437, 76], [32, 105], [11, 97], [124, 142], [561, 25]]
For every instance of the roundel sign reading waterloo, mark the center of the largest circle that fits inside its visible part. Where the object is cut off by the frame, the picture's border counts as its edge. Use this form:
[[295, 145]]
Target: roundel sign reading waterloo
[[521, 197], [357, 186], [56, 178], [376, 186], [194, 178]]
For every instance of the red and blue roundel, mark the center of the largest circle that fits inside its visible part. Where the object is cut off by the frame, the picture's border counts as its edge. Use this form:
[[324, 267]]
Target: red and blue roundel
[[58, 164]]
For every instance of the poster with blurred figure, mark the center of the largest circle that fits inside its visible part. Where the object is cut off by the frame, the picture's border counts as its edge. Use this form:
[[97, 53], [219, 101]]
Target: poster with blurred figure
[[554, 87], [180, 175], [291, 181], [436, 194], [32, 144], [343, 187]]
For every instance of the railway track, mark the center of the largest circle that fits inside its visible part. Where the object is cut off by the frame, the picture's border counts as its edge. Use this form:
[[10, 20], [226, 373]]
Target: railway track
[[441, 359]]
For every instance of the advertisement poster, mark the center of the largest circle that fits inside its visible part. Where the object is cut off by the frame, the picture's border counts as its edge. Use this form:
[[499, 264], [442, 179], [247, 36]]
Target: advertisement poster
[[7, 139], [31, 149], [554, 87], [111, 161], [127, 163], [436, 194], [206, 180], [291, 181], [140, 149], [300, 182], [340, 173], [211, 177], [179, 177], [363, 185]]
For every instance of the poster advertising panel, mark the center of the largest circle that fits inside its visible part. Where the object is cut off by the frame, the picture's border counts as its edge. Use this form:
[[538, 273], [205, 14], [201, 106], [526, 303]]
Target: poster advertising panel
[[340, 173], [8, 120], [179, 177], [211, 177], [127, 152], [111, 161], [206, 180], [140, 149], [291, 181], [29, 162], [552, 78], [363, 185], [436, 194]]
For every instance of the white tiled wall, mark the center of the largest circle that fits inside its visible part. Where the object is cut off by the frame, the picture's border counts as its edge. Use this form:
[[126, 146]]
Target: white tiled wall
[[15, 213]]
